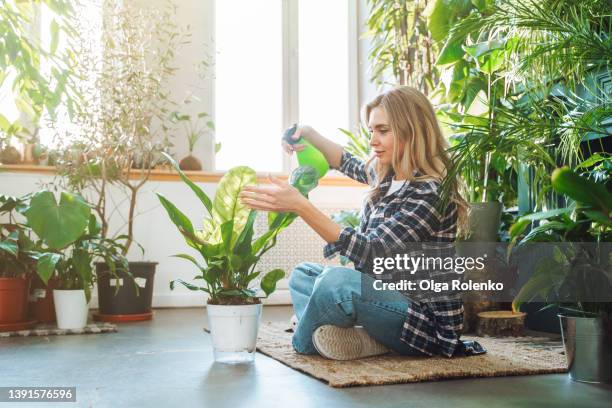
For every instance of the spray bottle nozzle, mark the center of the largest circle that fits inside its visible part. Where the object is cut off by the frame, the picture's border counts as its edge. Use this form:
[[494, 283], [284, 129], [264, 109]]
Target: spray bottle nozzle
[[288, 135], [309, 156]]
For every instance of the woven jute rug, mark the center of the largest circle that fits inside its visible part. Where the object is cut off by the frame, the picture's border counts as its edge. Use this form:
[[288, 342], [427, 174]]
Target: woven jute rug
[[52, 330], [505, 356]]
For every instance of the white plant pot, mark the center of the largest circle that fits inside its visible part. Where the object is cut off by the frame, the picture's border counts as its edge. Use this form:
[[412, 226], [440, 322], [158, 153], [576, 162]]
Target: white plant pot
[[234, 331], [71, 308]]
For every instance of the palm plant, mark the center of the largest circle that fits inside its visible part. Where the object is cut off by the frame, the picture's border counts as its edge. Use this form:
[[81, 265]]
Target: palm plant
[[576, 275], [402, 44]]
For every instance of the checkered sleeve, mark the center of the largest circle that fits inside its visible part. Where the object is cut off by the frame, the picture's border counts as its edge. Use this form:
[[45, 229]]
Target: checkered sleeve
[[416, 221], [352, 167]]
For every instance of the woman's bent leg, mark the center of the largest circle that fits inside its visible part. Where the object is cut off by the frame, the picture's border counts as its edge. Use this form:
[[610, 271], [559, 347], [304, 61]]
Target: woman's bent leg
[[337, 299], [301, 283]]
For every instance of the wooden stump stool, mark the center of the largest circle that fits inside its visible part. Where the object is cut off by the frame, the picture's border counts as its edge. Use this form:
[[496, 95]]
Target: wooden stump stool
[[500, 323]]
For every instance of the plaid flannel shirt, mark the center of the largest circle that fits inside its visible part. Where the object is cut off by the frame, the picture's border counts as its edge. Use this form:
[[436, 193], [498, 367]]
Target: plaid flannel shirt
[[390, 226]]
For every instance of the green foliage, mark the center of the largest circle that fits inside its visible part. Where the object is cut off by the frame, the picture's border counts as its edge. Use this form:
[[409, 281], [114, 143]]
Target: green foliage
[[60, 240], [22, 57], [226, 243], [402, 52], [17, 250], [577, 269], [358, 143], [57, 224], [346, 218], [510, 75]]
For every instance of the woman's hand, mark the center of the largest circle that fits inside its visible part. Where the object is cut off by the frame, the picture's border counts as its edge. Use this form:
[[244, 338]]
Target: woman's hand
[[298, 147], [279, 196]]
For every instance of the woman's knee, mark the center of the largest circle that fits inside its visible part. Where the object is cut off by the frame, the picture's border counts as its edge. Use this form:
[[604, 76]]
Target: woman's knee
[[301, 270], [336, 279]]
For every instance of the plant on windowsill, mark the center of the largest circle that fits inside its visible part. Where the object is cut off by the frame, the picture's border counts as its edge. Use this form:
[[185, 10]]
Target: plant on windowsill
[[69, 242], [231, 253], [576, 276], [194, 128]]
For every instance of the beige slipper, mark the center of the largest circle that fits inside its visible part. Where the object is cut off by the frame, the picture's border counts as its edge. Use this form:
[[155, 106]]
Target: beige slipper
[[346, 343]]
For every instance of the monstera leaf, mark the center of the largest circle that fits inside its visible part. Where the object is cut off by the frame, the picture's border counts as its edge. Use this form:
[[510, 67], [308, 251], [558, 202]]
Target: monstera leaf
[[58, 225]]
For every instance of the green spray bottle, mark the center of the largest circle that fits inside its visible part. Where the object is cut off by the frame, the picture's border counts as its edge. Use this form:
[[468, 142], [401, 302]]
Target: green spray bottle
[[310, 156]]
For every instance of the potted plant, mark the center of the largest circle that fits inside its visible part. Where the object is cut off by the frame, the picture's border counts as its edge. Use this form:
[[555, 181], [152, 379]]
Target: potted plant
[[123, 128], [230, 252], [194, 128], [17, 262], [70, 240], [576, 276]]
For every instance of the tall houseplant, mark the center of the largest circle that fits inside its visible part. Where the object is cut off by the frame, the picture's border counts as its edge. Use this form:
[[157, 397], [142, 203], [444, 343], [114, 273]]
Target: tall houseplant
[[17, 264], [576, 276], [70, 241], [231, 253], [510, 71], [122, 131], [403, 51]]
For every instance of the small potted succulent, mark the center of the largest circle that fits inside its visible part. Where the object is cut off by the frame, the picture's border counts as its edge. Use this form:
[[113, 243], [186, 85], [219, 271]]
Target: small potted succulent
[[70, 240], [230, 252]]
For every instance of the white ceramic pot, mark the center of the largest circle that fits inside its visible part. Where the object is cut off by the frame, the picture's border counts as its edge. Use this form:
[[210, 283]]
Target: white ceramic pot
[[234, 331], [71, 308]]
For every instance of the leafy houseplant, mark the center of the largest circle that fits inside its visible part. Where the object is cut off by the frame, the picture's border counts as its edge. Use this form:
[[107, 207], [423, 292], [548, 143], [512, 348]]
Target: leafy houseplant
[[230, 252], [510, 72], [194, 128], [17, 262], [70, 241], [576, 277]]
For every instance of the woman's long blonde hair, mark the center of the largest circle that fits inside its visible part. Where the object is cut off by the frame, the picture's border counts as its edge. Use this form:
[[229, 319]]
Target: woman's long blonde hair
[[413, 121]]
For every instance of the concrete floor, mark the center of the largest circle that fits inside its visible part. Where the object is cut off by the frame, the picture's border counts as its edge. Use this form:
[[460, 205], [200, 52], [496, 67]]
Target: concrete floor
[[168, 362]]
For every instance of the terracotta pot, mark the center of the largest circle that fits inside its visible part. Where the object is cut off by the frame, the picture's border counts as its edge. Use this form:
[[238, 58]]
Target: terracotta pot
[[41, 306], [14, 299], [10, 155], [190, 163]]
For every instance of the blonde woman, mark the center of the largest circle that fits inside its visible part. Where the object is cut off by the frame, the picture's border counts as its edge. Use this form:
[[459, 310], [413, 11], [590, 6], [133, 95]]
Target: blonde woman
[[339, 316]]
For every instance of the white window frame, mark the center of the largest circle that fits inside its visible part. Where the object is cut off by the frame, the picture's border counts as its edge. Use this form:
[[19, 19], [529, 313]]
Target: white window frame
[[290, 58]]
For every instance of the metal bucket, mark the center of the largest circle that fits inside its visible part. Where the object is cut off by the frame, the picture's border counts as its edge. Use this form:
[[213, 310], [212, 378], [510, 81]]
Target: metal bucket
[[588, 348]]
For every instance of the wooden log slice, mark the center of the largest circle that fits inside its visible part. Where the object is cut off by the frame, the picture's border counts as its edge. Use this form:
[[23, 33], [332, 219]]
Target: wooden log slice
[[500, 323]]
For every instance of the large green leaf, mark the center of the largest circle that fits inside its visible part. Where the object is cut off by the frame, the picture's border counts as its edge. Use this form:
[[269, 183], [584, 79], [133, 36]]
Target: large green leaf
[[197, 190], [451, 52], [81, 259], [268, 282], [243, 243], [46, 265], [227, 205], [582, 189], [179, 219], [9, 246], [443, 14], [58, 225]]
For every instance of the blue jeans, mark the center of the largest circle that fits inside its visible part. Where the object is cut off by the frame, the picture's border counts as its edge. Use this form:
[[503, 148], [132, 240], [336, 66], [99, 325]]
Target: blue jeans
[[333, 295]]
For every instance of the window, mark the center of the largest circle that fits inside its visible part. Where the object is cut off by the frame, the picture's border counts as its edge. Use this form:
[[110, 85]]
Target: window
[[248, 83], [324, 66], [89, 30], [289, 64]]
